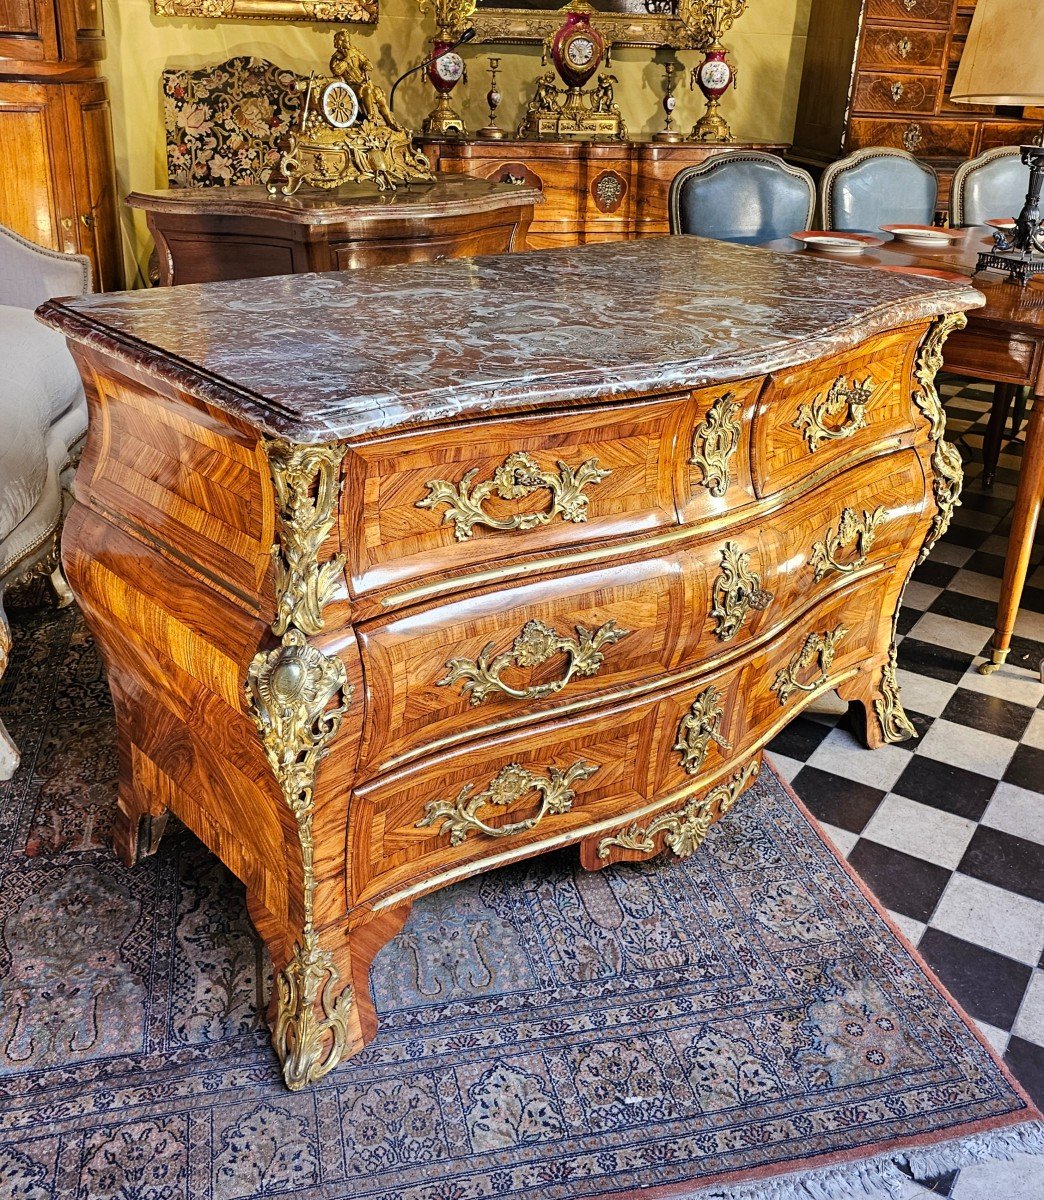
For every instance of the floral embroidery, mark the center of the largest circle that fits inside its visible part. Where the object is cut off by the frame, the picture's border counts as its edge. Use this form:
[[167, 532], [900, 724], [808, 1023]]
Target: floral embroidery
[[224, 122]]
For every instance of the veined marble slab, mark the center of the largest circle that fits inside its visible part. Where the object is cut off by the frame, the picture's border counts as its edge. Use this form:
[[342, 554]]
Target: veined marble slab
[[316, 358]]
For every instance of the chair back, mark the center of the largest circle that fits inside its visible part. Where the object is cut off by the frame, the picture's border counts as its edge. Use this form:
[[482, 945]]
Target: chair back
[[744, 196], [878, 187], [31, 274], [992, 185], [223, 123]]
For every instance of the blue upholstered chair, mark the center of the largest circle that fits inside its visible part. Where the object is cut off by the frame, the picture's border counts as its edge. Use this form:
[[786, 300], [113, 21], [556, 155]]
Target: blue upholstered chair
[[877, 187], [744, 196], [992, 185]]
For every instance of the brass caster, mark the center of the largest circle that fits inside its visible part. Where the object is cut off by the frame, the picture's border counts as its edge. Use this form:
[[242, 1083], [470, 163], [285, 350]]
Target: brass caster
[[996, 662]]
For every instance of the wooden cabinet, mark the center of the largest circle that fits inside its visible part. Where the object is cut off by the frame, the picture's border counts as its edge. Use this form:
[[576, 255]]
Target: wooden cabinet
[[58, 188], [401, 575], [206, 234], [593, 191], [878, 73]]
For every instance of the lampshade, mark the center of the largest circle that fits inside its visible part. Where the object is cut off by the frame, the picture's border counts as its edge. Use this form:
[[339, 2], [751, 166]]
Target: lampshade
[[1003, 60]]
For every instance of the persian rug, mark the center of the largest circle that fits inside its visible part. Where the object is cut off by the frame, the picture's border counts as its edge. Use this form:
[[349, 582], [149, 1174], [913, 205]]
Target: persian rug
[[743, 1023]]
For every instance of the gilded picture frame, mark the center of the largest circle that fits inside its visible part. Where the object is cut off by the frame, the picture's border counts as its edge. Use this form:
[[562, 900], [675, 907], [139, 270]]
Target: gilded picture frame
[[360, 12], [674, 23]]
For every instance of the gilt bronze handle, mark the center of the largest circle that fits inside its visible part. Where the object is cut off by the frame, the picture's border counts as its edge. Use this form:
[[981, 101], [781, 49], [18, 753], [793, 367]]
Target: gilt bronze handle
[[533, 646], [460, 817], [735, 591], [700, 726], [819, 421], [714, 442], [852, 531], [516, 477], [819, 649]]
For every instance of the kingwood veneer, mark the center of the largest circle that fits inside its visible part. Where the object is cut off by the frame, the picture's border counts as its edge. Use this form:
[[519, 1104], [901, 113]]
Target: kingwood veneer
[[403, 574]]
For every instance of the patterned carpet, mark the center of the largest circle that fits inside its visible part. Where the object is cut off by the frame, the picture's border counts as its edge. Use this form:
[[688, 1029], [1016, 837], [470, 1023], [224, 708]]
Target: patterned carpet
[[948, 830], [545, 1033]]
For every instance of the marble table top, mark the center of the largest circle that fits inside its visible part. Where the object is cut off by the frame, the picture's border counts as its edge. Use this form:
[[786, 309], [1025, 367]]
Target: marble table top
[[448, 194], [318, 358]]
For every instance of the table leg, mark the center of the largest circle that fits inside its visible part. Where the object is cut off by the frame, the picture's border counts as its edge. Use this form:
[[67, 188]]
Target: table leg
[[1020, 540], [991, 443]]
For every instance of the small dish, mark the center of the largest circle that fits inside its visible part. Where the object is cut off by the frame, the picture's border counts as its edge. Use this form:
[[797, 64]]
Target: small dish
[[1004, 224], [924, 235], [835, 242]]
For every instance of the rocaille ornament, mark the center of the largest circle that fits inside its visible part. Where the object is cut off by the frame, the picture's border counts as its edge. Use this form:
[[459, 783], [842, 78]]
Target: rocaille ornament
[[346, 132]]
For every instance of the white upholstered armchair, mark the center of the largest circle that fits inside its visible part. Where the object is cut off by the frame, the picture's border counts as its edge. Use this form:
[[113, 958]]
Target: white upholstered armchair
[[43, 418]]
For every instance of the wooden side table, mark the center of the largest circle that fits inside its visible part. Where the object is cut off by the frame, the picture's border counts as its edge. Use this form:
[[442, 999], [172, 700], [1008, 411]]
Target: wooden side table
[[206, 234]]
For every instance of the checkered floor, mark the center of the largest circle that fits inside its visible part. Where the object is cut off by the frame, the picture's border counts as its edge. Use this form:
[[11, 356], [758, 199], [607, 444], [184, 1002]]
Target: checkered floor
[[949, 829]]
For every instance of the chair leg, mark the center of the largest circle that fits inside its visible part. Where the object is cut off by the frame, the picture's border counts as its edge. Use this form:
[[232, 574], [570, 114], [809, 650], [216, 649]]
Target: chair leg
[[991, 444], [8, 750]]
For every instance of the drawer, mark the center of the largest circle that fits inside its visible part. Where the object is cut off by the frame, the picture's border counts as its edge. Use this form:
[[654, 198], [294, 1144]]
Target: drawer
[[565, 779], [493, 238], [924, 138], [814, 419], [938, 11], [447, 502], [507, 658], [902, 48], [895, 93]]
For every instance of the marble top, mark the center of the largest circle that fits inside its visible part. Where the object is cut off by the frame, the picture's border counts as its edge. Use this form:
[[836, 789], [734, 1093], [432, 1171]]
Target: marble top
[[448, 194], [317, 358]]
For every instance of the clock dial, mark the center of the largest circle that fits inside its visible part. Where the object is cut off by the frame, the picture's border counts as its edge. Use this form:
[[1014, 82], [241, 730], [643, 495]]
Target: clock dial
[[340, 104], [449, 67], [579, 51]]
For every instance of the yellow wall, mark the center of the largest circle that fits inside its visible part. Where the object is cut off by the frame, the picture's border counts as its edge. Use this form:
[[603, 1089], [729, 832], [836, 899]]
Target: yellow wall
[[767, 45]]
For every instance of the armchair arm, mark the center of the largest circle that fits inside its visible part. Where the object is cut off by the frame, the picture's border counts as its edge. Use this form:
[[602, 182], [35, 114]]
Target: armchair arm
[[29, 274]]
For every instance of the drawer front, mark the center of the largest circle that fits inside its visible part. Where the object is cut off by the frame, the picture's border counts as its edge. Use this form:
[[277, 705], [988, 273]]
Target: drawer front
[[817, 418], [558, 782], [494, 237], [894, 93], [451, 501], [462, 670], [902, 48], [924, 138], [938, 11]]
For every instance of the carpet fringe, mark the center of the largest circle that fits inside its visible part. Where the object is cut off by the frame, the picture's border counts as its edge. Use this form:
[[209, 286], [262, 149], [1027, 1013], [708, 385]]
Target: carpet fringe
[[883, 1176]]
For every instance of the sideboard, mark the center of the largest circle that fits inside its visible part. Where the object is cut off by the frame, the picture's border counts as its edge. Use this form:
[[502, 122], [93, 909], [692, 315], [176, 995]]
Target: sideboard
[[207, 234], [382, 608], [593, 191]]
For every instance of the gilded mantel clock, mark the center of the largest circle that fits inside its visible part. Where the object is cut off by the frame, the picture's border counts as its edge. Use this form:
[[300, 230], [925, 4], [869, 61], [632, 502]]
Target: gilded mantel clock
[[577, 49]]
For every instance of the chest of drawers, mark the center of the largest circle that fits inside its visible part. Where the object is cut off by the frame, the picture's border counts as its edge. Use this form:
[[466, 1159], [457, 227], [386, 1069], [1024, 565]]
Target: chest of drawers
[[403, 574], [879, 72]]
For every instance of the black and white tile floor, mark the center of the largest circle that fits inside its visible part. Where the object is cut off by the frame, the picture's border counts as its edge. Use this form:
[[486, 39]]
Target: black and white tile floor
[[949, 829]]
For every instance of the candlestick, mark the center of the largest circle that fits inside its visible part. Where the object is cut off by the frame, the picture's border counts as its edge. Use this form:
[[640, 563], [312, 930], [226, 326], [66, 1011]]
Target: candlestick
[[493, 99]]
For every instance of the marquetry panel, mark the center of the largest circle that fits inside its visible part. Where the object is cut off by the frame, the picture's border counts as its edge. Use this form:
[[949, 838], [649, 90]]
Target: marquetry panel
[[896, 93], [815, 419], [937, 11], [632, 748], [908, 48], [655, 602], [923, 138], [390, 539], [191, 486]]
